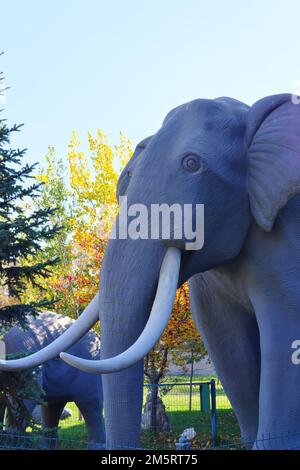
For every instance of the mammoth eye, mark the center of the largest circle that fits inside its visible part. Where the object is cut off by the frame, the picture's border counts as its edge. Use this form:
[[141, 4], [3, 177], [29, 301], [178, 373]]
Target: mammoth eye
[[191, 163], [129, 173]]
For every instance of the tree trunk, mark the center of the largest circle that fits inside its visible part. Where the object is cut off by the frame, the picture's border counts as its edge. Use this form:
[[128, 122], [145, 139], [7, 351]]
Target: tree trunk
[[154, 395]]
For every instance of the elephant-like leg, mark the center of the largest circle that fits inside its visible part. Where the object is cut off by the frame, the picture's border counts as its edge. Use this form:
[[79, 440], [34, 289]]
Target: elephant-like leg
[[51, 414], [92, 412], [279, 417], [230, 333]]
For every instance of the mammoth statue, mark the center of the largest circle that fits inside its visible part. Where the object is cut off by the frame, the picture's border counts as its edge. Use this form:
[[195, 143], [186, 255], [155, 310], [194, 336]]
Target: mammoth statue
[[60, 382], [243, 164]]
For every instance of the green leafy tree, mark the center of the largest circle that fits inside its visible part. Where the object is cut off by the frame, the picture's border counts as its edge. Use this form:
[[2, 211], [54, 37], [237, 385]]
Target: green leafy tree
[[83, 190]]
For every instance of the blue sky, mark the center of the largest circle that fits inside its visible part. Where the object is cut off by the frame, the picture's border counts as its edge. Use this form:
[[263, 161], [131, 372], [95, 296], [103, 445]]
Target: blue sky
[[121, 65]]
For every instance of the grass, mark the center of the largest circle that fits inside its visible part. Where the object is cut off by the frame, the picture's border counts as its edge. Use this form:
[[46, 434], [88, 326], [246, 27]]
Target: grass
[[72, 432], [228, 435], [73, 435], [177, 407]]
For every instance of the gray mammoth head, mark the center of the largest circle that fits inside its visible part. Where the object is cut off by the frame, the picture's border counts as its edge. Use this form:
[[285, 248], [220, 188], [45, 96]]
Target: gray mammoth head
[[197, 157], [242, 163], [258, 144], [245, 164]]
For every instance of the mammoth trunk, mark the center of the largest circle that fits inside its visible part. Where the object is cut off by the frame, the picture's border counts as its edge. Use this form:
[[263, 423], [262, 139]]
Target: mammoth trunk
[[128, 283]]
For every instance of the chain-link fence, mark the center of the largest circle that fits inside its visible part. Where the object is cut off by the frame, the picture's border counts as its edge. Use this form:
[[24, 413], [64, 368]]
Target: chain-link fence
[[168, 409], [172, 407], [38, 441]]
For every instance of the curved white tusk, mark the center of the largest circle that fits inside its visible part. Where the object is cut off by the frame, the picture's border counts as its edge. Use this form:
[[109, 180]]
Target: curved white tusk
[[157, 322], [80, 327]]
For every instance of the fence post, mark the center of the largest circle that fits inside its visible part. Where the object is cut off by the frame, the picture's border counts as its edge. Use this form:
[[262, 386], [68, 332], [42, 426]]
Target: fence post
[[205, 397], [191, 384], [214, 430]]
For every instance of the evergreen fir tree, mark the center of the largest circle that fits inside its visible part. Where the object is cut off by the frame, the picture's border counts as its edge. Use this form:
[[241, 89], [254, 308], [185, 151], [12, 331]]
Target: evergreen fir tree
[[22, 232]]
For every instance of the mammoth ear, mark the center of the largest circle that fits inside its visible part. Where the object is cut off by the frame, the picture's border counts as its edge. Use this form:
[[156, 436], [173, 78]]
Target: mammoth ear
[[273, 148]]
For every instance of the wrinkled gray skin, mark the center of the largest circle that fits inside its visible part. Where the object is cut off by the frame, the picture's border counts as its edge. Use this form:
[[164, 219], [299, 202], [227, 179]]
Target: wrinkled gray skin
[[244, 282], [60, 382]]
